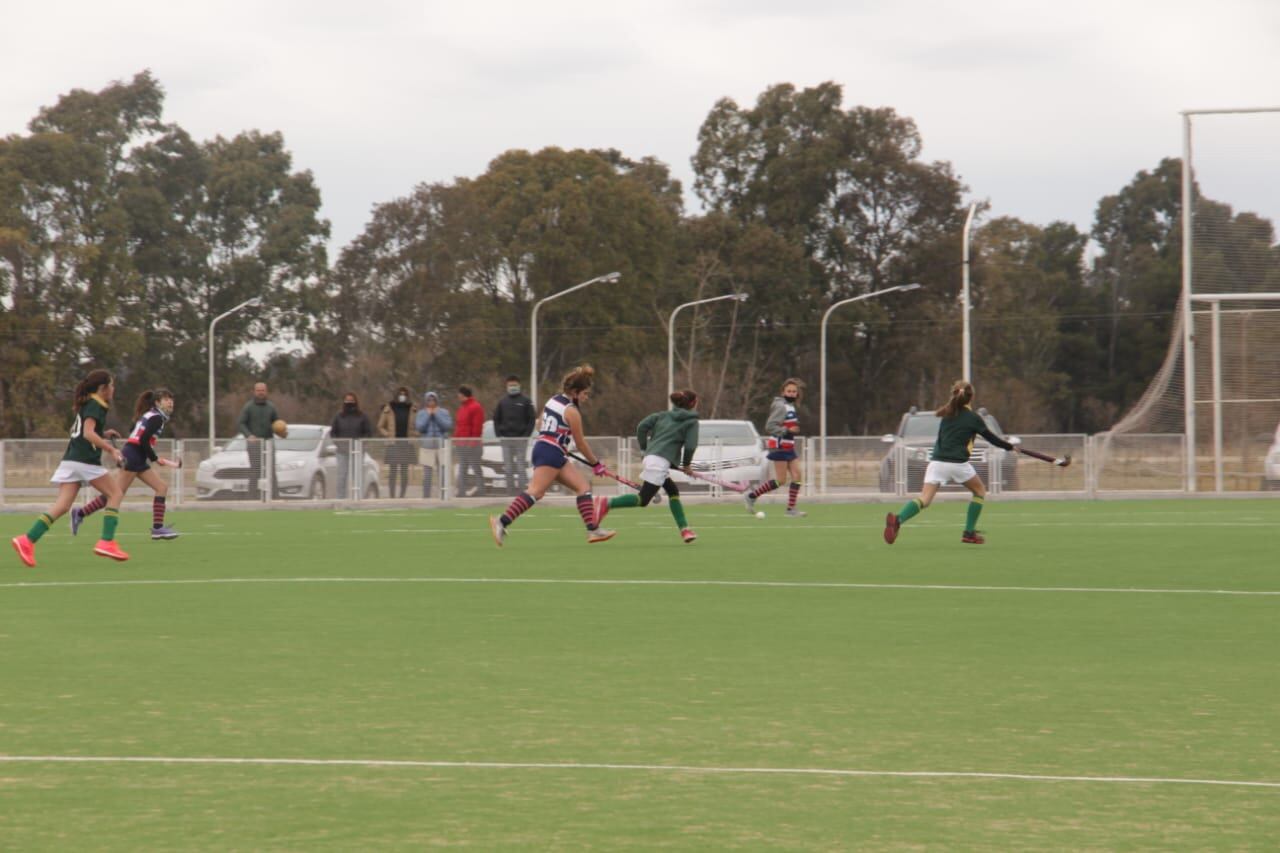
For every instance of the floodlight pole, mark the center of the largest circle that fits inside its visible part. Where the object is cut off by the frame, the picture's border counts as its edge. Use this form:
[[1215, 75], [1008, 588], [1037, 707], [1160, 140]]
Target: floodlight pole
[[965, 339], [1188, 319], [257, 300], [822, 373], [533, 326], [671, 337]]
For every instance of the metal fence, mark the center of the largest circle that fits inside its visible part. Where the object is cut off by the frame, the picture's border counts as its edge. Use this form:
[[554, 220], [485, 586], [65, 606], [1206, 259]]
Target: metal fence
[[310, 467]]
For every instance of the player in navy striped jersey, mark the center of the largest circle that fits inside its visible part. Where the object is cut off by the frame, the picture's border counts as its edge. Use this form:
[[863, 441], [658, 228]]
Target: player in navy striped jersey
[[151, 413], [561, 423], [781, 429]]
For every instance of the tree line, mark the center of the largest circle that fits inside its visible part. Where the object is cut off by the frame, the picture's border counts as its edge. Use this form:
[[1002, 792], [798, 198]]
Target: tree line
[[121, 237]]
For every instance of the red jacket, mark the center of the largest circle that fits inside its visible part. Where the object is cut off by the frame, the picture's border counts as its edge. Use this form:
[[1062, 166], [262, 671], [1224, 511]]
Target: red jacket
[[470, 422]]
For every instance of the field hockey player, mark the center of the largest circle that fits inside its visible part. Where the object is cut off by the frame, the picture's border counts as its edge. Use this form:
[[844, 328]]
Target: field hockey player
[[949, 463], [781, 427]]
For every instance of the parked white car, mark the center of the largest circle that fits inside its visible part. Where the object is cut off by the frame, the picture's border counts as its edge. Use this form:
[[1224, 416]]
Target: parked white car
[[1271, 466], [730, 450], [306, 467]]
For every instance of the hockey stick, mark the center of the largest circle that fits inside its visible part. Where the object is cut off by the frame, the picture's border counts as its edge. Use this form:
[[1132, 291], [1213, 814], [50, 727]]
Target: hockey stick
[[1061, 461], [731, 485], [657, 499]]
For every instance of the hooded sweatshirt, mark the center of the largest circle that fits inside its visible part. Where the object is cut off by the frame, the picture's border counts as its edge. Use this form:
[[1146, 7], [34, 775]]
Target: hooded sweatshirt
[[665, 433]]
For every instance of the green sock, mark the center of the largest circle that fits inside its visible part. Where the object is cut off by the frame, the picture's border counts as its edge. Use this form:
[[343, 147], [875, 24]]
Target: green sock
[[677, 512], [975, 510], [624, 501], [910, 510], [40, 528], [110, 518]]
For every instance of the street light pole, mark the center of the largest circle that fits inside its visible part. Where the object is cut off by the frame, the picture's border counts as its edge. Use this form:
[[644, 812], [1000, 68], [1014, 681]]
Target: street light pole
[[966, 343], [257, 300], [822, 370], [671, 336], [533, 326]]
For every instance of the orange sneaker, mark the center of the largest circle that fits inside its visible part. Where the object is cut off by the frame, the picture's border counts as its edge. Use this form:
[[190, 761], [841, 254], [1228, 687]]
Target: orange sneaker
[[110, 549], [26, 549], [688, 535]]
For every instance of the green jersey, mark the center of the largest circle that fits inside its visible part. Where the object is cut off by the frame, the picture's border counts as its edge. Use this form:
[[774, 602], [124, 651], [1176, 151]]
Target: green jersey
[[956, 435], [673, 435], [79, 449]]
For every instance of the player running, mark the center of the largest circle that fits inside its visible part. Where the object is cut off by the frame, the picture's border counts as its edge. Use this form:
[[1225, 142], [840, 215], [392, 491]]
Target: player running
[[668, 439], [561, 423], [151, 412], [782, 426], [82, 463], [949, 463]]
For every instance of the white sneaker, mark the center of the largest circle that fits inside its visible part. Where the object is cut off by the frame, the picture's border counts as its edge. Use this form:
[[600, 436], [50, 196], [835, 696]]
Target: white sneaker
[[498, 529], [750, 501], [600, 534], [797, 513]]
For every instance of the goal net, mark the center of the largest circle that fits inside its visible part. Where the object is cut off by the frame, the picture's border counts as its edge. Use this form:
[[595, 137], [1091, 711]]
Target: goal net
[[1234, 283]]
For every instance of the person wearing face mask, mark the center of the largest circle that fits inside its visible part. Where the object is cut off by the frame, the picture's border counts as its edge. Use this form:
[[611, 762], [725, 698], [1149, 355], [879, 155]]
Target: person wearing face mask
[[151, 412], [434, 423], [467, 434], [781, 428], [513, 420], [394, 422], [349, 425]]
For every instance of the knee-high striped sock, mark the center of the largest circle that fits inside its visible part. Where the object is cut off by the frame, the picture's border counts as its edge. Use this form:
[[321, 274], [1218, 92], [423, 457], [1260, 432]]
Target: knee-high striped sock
[[517, 508], [587, 509], [910, 509], [792, 494], [677, 511], [41, 527], [110, 518], [94, 505], [975, 510], [157, 512], [764, 488]]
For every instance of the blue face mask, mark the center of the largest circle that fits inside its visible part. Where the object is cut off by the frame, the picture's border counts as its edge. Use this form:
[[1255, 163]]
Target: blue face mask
[[513, 390]]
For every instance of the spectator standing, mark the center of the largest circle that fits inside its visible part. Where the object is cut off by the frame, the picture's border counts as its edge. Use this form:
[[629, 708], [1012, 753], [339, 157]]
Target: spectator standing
[[254, 424], [469, 430], [513, 420], [349, 425], [433, 423], [394, 422]]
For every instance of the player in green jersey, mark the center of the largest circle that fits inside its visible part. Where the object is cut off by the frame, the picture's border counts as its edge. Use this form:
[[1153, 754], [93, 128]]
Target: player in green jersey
[[82, 463], [949, 463]]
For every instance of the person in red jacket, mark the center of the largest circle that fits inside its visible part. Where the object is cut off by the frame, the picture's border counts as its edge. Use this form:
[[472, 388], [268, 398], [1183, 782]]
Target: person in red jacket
[[469, 427]]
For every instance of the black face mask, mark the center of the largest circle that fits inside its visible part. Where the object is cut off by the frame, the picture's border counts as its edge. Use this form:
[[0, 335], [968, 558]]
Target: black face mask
[[790, 399], [348, 407]]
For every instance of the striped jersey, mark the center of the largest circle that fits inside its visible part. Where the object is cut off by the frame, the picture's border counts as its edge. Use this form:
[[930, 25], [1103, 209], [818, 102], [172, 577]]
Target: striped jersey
[[554, 428], [145, 431]]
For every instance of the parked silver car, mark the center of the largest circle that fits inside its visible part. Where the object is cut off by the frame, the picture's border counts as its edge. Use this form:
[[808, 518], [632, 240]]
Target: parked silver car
[[306, 465], [729, 450]]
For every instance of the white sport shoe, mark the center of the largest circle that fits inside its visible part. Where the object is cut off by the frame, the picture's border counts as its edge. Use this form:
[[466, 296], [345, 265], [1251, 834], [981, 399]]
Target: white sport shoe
[[750, 501], [498, 529], [600, 534], [797, 513]]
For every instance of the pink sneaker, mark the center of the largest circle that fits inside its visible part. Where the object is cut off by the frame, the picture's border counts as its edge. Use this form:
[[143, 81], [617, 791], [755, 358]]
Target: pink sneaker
[[26, 549], [110, 549], [688, 535]]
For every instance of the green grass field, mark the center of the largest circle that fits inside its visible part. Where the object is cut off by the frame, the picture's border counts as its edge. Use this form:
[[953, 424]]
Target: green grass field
[[632, 694]]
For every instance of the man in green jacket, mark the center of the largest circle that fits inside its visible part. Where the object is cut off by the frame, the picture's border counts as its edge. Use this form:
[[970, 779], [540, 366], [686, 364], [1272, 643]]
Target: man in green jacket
[[254, 424], [668, 440]]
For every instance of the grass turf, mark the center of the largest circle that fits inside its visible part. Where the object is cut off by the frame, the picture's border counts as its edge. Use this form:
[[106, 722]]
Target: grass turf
[[402, 645]]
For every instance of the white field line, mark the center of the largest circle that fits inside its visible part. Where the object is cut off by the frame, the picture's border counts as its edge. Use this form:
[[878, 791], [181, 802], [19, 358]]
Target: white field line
[[915, 587], [647, 768]]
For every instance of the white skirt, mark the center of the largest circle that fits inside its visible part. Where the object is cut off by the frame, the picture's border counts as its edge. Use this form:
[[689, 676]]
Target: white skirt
[[941, 473], [656, 470], [77, 472]]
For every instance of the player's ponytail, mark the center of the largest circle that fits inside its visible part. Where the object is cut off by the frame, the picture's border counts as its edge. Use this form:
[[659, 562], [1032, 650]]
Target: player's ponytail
[[579, 379], [961, 396], [90, 385], [147, 400], [685, 399]]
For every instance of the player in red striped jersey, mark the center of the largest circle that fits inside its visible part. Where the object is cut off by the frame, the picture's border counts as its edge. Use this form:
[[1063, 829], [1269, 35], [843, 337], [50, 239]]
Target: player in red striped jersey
[[561, 423]]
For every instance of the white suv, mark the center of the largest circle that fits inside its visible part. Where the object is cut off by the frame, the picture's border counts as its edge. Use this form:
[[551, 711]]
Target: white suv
[[1271, 465], [730, 450]]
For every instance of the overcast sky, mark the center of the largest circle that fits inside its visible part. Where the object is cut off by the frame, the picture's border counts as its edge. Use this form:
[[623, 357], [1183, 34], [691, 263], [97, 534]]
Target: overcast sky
[[1042, 107]]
